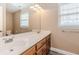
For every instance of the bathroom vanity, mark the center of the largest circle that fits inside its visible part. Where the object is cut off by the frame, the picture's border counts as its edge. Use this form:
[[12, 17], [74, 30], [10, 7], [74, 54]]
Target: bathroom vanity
[[40, 48], [29, 43]]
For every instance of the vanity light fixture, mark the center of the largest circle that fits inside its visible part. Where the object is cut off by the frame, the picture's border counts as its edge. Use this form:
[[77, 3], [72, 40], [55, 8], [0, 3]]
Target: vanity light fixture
[[36, 7], [32, 7]]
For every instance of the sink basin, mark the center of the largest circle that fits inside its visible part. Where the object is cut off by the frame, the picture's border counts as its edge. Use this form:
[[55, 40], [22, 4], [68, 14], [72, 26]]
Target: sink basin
[[18, 44]]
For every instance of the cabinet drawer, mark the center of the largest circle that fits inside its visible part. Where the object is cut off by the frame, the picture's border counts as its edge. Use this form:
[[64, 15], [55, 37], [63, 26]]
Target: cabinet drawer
[[30, 51], [41, 43]]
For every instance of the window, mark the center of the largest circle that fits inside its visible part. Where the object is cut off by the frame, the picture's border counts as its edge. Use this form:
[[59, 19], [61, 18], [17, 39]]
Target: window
[[24, 20], [69, 16]]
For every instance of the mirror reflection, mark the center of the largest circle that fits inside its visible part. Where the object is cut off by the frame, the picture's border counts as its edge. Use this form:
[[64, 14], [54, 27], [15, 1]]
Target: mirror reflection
[[18, 18]]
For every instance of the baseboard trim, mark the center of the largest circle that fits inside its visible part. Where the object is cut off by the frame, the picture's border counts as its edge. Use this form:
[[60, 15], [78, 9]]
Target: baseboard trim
[[61, 51]]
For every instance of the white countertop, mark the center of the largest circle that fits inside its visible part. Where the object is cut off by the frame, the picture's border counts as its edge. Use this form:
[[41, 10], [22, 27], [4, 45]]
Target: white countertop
[[21, 42]]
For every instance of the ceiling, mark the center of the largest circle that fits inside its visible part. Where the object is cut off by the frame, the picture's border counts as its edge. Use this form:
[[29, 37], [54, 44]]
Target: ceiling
[[13, 7]]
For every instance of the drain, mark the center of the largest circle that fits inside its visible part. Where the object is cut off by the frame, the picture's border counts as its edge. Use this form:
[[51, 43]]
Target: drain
[[11, 50]]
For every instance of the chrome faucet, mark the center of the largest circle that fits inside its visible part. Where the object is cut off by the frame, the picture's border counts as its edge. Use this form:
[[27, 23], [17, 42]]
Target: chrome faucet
[[8, 40]]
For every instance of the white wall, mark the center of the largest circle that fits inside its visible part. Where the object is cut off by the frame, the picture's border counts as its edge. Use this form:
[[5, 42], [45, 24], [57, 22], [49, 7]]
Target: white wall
[[1, 18]]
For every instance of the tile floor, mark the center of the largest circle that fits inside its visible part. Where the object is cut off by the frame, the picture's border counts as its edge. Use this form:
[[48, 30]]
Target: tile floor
[[54, 53]]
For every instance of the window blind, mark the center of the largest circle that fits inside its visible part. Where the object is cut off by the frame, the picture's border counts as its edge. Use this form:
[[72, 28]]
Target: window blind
[[24, 20], [69, 15]]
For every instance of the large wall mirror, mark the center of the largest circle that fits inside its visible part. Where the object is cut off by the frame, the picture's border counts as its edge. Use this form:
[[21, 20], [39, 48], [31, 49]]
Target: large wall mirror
[[17, 18]]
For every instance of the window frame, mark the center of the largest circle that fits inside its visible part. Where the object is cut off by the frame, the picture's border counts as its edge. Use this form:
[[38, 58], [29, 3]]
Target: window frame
[[73, 27], [27, 20]]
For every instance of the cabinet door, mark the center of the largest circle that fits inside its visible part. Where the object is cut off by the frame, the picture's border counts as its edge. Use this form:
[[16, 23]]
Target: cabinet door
[[42, 50], [30, 51], [39, 52], [41, 43], [48, 44]]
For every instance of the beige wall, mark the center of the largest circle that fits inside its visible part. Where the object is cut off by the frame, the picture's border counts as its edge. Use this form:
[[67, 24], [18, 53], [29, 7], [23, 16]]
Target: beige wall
[[35, 20], [9, 21], [61, 40], [16, 17]]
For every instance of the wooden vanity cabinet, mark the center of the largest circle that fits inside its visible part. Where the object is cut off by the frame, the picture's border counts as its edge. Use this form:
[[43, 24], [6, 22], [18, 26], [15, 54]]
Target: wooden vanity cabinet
[[41, 43], [40, 48], [48, 44], [43, 47]]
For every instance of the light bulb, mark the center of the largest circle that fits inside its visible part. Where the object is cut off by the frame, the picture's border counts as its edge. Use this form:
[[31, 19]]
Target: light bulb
[[37, 5], [32, 7]]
